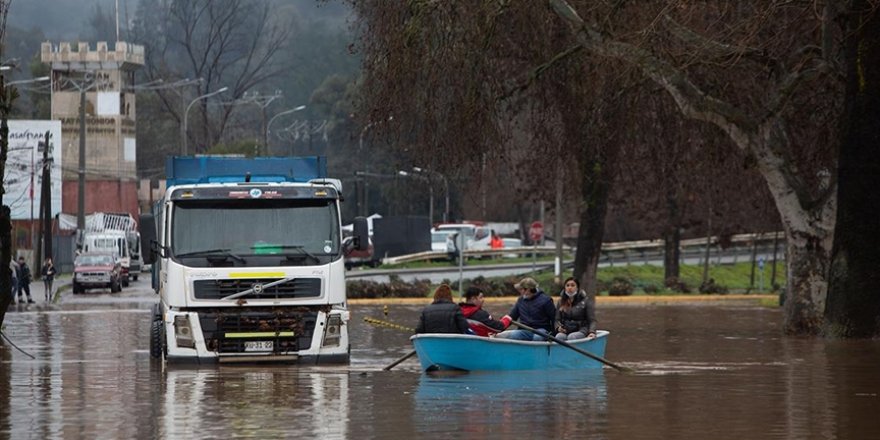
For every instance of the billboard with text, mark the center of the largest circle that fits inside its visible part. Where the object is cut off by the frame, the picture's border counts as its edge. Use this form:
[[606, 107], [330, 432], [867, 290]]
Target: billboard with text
[[23, 177]]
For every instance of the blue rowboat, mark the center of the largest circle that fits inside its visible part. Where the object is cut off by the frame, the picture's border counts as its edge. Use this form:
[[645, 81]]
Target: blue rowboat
[[441, 351]]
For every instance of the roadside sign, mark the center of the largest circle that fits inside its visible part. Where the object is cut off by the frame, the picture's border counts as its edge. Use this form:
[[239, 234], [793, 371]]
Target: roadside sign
[[761, 263], [536, 231]]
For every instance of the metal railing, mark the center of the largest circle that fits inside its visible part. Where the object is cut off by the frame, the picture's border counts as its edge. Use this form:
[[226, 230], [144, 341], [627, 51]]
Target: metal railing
[[626, 252]]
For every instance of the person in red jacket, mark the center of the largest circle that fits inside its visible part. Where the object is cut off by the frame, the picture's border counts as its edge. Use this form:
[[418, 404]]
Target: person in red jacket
[[479, 320], [496, 242]]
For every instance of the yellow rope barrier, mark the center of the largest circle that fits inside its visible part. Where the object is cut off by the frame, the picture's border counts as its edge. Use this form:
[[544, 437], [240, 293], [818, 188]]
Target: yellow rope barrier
[[382, 323]]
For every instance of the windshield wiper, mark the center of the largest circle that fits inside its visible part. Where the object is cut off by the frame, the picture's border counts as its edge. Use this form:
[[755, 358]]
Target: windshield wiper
[[212, 253], [302, 250]]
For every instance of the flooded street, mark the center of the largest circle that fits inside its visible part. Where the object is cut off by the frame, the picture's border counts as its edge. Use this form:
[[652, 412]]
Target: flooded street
[[703, 372]]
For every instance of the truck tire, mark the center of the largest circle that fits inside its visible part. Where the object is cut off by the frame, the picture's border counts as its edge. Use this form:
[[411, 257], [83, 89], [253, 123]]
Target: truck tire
[[157, 339], [77, 288]]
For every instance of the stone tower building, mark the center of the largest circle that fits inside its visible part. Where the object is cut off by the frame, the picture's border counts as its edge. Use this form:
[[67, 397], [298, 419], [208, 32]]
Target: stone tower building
[[106, 78]]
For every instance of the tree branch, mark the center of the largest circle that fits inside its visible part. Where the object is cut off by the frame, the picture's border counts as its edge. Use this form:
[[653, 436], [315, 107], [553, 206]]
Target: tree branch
[[536, 73], [767, 140], [717, 50]]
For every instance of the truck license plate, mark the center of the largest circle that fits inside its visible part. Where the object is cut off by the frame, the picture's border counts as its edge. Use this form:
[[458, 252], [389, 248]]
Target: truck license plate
[[259, 345]]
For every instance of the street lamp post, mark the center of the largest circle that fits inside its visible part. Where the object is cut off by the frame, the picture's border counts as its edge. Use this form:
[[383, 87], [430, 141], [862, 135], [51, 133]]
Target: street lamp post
[[445, 184], [28, 81], [186, 115], [268, 125], [361, 154], [430, 193]]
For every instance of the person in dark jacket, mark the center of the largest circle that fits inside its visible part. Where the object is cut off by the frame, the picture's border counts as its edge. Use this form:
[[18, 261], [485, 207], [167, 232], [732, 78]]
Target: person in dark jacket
[[534, 308], [48, 272], [575, 312], [442, 315], [480, 321], [24, 281]]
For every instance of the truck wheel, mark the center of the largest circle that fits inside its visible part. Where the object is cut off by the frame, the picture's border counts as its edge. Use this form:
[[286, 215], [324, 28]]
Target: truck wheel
[[157, 339]]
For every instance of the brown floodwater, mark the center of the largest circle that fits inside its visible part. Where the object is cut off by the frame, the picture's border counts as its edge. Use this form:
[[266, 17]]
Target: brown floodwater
[[703, 372]]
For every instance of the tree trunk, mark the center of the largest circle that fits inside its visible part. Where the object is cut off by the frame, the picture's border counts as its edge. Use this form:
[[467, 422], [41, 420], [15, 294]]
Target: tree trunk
[[853, 308], [594, 203], [7, 96], [672, 239], [807, 267]]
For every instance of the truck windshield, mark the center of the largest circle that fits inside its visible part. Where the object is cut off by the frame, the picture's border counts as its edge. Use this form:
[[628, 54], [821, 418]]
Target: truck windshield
[[260, 232]]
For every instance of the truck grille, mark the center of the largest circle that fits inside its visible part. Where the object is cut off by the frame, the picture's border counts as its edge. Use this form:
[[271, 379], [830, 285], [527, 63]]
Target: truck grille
[[295, 288], [217, 324]]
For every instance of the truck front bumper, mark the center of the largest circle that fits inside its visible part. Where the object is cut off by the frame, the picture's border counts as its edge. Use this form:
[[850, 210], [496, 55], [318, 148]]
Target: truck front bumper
[[258, 334]]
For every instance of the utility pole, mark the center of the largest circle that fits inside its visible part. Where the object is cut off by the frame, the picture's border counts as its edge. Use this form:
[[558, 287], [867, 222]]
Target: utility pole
[[46, 200], [81, 170], [557, 230]]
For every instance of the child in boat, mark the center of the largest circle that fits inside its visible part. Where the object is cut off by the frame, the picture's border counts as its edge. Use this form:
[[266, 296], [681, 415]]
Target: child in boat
[[480, 321], [575, 312], [442, 315]]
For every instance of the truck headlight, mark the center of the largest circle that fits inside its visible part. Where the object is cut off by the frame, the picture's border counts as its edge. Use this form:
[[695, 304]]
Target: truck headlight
[[183, 332]]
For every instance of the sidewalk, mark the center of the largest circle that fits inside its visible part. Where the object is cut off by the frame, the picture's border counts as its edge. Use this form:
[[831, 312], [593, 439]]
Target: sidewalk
[[38, 290]]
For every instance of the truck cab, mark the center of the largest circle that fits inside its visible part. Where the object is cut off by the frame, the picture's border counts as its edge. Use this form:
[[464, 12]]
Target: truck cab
[[248, 262]]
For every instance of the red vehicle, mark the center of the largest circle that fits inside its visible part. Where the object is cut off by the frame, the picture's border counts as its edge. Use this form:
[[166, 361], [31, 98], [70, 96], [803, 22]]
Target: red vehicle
[[97, 271]]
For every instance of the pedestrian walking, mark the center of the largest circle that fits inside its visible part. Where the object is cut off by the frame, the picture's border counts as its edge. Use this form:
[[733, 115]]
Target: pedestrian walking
[[48, 273], [24, 281]]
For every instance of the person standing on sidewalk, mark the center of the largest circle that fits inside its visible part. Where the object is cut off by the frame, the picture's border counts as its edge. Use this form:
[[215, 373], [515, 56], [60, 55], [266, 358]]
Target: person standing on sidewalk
[[24, 281], [48, 273]]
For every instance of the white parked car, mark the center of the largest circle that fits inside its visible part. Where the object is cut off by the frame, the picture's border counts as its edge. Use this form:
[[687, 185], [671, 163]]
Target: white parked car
[[440, 241]]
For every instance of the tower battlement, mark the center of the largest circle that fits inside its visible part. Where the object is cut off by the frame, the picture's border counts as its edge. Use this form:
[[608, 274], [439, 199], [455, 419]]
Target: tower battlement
[[80, 56]]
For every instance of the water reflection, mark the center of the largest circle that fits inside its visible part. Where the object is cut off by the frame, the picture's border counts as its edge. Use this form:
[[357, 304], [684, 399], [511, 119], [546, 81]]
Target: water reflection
[[254, 402], [543, 404]]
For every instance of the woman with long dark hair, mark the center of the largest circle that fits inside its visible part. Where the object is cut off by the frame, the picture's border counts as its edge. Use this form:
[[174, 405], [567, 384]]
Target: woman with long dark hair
[[442, 315], [575, 312]]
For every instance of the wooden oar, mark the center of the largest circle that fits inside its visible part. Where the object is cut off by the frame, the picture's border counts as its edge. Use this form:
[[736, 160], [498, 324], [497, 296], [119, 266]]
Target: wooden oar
[[403, 358], [567, 345], [388, 324]]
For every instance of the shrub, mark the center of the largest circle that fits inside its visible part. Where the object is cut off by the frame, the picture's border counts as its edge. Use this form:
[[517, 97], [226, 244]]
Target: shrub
[[652, 289], [711, 287], [676, 285], [620, 287], [394, 288]]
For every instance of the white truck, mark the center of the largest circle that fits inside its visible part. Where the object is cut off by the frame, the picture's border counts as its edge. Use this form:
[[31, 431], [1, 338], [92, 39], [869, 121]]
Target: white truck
[[476, 236], [247, 259], [116, 234]]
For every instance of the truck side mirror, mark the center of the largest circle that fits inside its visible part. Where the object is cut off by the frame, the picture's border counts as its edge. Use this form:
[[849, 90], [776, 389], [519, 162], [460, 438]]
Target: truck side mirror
[[148, 234], [361, 234]]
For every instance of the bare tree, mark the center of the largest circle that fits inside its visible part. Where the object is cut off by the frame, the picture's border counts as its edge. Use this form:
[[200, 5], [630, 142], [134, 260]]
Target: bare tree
[[807, 211], [226, 43]]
